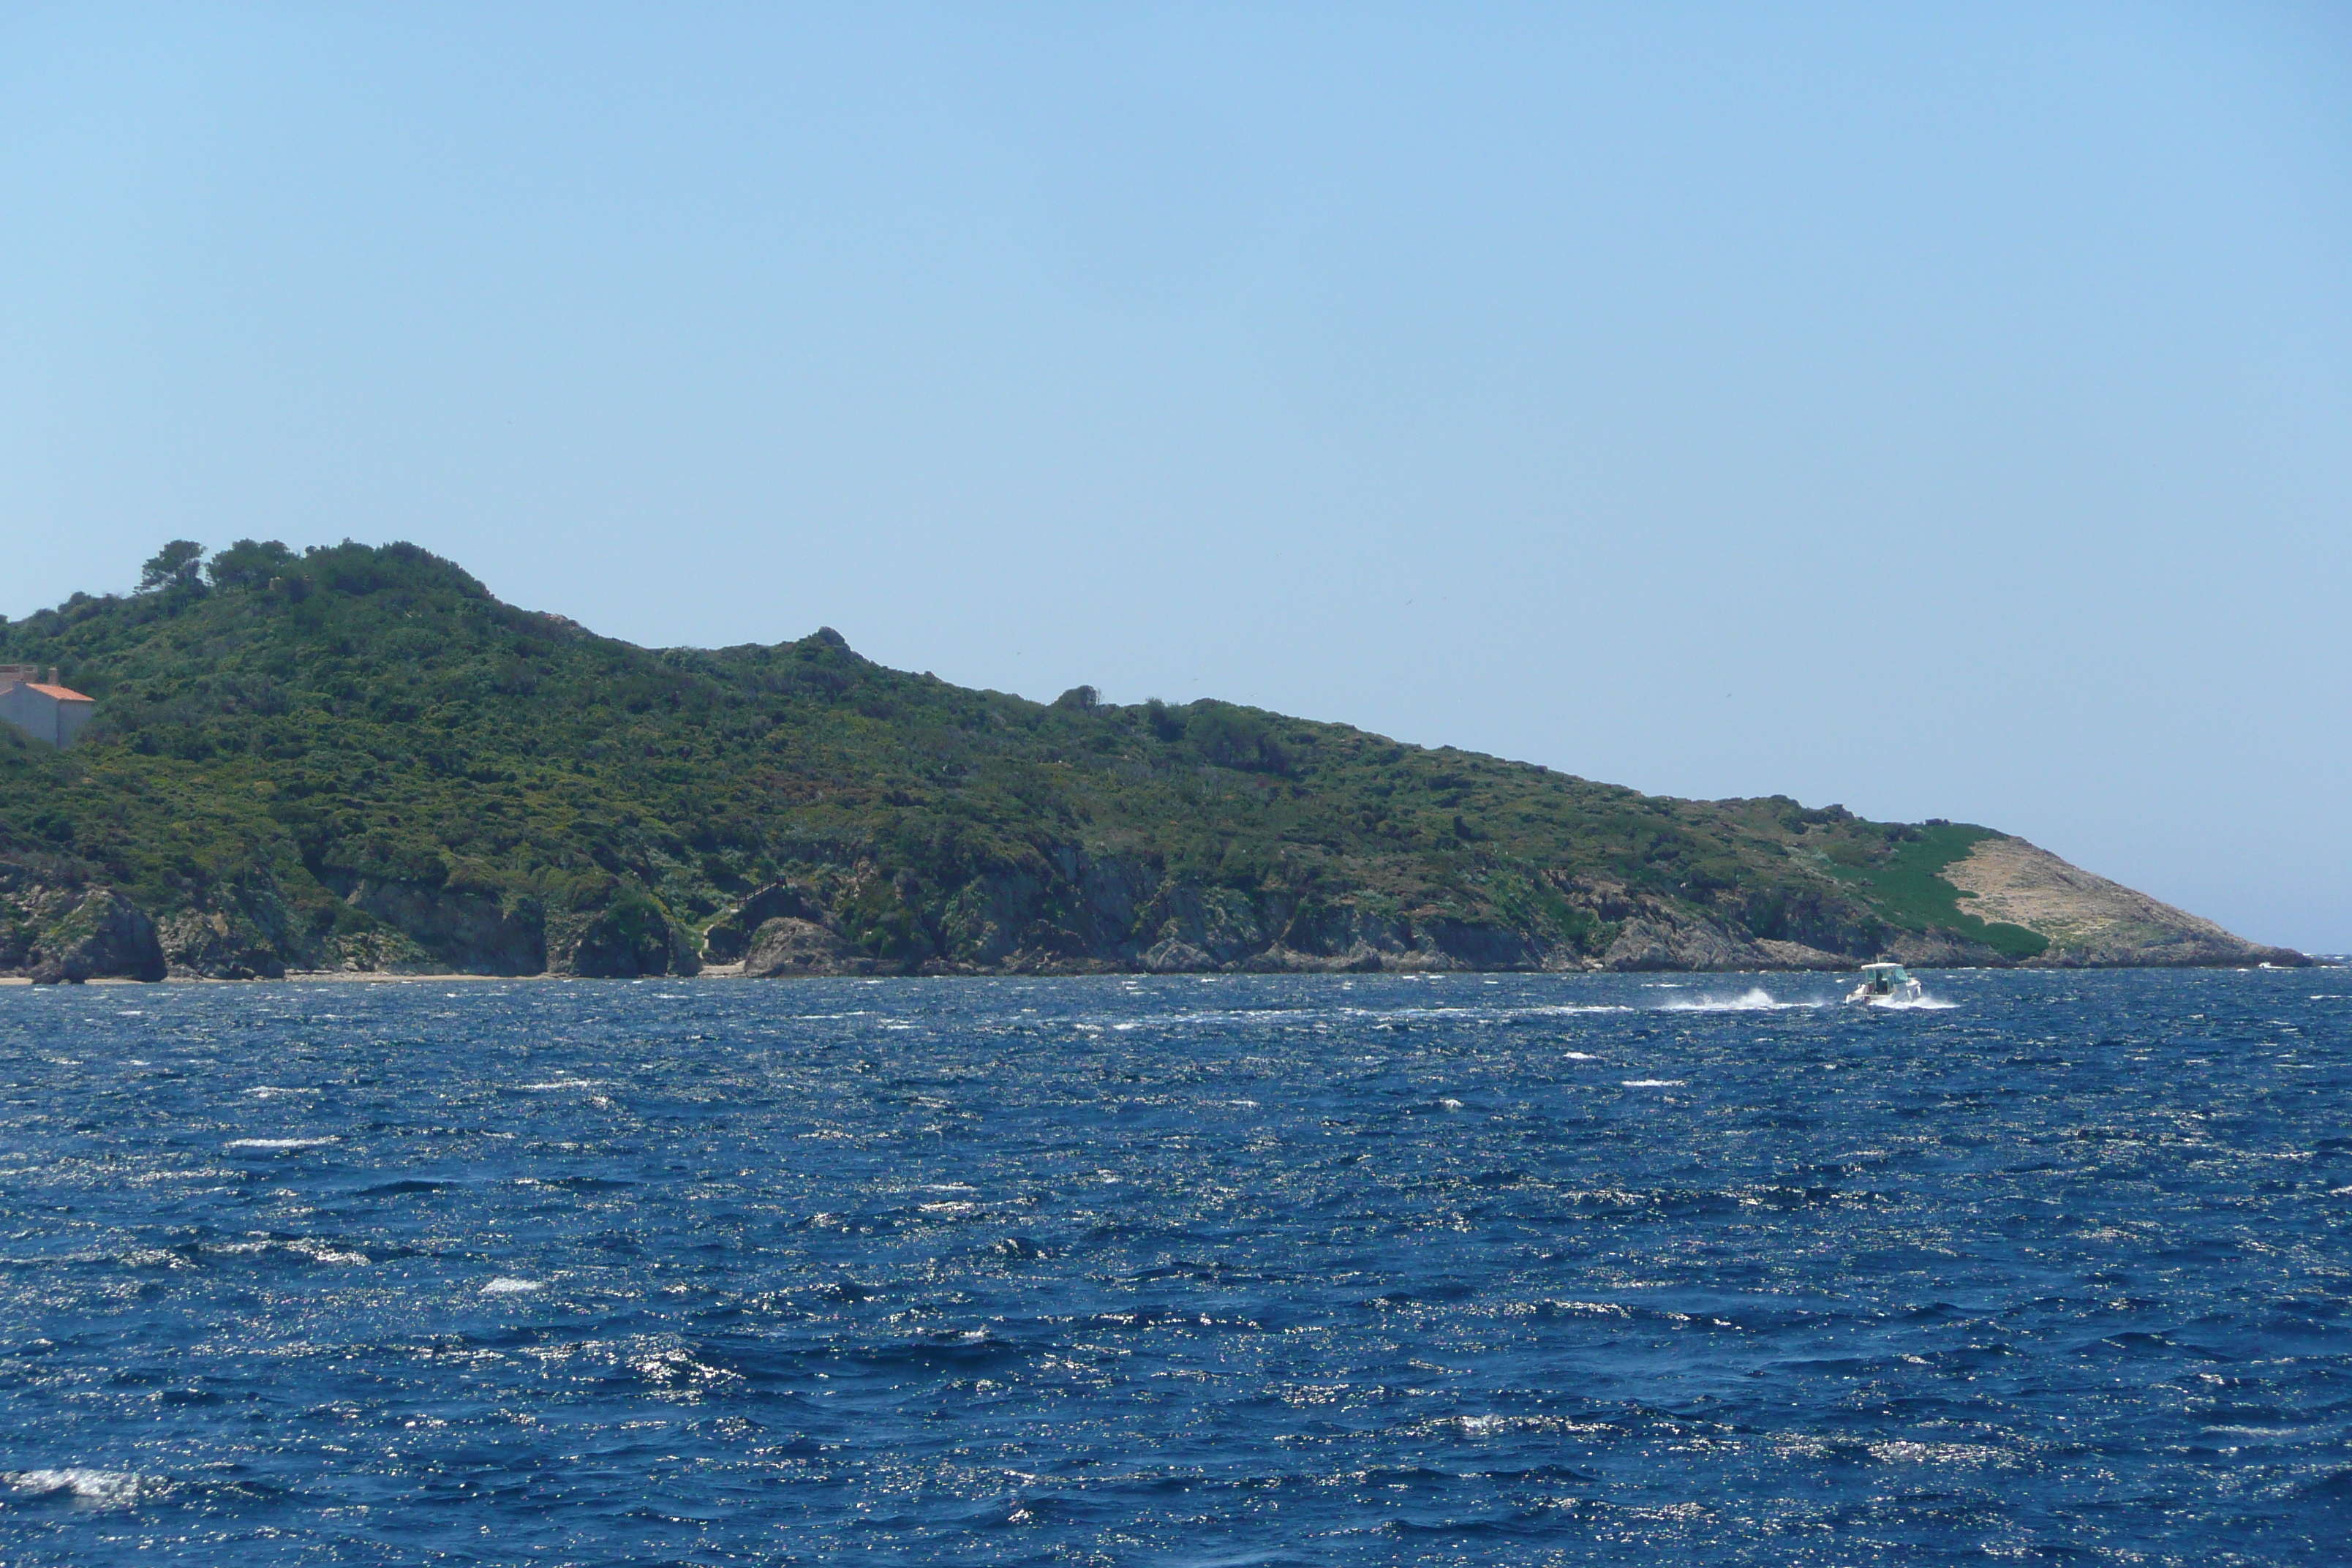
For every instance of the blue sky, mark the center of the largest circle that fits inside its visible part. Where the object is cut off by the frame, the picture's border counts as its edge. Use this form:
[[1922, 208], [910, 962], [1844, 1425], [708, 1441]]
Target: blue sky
[[1945, 410]]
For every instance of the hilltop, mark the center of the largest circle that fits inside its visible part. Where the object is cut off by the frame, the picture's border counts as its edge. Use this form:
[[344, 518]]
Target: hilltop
[[357, 758]]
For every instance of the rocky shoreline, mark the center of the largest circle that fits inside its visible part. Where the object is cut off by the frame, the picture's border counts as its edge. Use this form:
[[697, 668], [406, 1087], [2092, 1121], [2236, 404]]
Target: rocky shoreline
[[1124, 922]]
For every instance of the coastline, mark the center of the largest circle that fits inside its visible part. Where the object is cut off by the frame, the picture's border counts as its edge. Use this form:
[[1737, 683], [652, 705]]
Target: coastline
[[735, 971]]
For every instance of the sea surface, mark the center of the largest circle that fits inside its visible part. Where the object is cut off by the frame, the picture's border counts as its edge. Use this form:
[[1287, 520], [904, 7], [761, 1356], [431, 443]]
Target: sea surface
[[1230, 1270]]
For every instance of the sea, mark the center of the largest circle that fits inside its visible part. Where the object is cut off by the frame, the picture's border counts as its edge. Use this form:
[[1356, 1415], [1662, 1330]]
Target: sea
[[1198, 1270]]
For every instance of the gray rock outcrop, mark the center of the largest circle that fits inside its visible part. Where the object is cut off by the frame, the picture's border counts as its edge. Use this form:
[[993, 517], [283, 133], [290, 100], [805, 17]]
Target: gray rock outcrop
[[728, 939], [788, 945], [211, 946], [100, 936]]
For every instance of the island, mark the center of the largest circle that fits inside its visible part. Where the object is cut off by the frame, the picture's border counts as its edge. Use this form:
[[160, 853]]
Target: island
[[356, 760]]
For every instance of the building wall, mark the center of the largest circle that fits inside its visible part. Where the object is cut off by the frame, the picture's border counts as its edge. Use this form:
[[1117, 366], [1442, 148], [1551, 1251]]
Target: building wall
[[30, 711], [42, 716]]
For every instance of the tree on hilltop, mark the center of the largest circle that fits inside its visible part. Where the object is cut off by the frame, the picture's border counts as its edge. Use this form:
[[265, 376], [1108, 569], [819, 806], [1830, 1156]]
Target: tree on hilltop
[[175, 565]]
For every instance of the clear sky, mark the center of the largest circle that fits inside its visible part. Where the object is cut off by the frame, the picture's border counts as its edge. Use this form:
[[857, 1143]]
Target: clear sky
[[1942, 410]]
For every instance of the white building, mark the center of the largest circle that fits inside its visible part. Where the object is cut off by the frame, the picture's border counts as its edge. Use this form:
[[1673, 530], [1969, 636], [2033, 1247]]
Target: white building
[[42, 708]]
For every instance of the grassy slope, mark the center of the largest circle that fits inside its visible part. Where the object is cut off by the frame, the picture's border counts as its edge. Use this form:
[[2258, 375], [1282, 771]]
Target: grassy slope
[[1905, 886], [360, 717]]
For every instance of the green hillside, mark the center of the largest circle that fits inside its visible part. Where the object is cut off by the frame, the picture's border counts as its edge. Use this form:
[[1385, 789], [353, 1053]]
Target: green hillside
[[357, 757]]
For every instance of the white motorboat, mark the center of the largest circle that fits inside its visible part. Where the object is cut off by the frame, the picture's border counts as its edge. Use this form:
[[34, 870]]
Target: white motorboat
[[1884, 984]]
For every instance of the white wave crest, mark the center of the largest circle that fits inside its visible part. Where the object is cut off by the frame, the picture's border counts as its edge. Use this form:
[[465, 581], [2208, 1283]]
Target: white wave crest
[[278, 1145], [106, 1488], [1654, 1082], [1755, 999], [506, 1286]]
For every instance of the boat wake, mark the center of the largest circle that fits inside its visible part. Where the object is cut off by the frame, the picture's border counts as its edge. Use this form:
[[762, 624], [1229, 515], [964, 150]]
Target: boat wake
[[1756, 999], [1921, 1004]]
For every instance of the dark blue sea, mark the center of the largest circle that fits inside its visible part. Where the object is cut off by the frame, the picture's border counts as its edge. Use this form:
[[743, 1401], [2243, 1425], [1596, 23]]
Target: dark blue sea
[[1491, 1269]]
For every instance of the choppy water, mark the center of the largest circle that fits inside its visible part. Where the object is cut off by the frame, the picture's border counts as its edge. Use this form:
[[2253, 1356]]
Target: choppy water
[[1471, 1270]]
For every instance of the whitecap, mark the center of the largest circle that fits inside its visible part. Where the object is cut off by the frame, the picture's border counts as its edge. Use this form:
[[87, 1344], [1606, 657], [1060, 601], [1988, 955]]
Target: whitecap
[[1579, 1056], [1755, 999], [107, 1489], [278, 1145], [505, 1284], [155, 1257], [2260, 1431], [325, 1252], [556, 1083], [1654, 1082]]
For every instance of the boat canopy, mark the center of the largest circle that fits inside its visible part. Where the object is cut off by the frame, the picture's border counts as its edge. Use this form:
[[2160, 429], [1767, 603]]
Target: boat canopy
[[1890, 970]]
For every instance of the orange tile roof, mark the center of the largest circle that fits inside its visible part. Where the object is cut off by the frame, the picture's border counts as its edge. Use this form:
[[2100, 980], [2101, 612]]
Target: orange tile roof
[[62, 693]]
